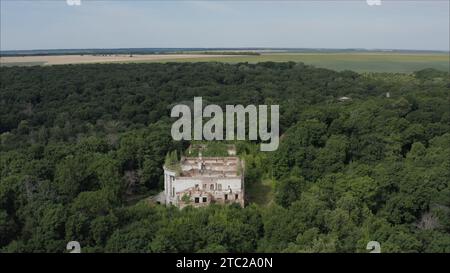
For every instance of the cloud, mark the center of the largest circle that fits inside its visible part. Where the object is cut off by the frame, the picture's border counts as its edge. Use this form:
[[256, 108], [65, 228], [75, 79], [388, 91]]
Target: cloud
[[373, 2], [73, 2]]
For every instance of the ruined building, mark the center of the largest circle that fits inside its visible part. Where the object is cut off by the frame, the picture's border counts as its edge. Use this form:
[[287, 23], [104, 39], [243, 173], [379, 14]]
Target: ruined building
[[200, 181]]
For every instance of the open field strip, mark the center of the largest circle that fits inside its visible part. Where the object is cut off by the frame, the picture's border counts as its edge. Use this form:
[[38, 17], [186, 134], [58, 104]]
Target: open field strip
[[86, 59], [359, 62]]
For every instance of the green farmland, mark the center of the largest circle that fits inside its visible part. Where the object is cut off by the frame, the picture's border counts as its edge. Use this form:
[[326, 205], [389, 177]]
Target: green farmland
[[364, 62], [393, 62]]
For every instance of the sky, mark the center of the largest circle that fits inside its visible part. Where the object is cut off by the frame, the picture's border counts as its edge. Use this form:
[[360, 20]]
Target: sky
[[38, 24]]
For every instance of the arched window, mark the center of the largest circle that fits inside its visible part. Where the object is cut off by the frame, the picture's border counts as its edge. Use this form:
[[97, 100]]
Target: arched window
[[211, 187]]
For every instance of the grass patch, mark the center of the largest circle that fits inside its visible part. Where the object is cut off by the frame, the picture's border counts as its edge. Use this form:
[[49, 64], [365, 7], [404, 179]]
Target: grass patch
[[22, 64], [261, 192]]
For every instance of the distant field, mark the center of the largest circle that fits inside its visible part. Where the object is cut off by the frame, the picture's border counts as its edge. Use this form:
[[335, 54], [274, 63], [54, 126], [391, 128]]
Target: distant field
[[364, 62], [86, 59], [359, 62]]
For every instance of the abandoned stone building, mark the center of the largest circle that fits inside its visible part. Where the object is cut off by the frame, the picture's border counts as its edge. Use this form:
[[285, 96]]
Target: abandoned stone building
[[200, 181]]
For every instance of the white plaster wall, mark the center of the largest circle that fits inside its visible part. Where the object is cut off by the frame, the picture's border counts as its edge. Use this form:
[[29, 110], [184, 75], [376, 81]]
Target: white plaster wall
[[234, 183], [183, 184], [168, 185]]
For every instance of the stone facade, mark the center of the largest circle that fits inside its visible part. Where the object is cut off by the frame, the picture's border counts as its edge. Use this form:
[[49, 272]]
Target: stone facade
[[201, 181]]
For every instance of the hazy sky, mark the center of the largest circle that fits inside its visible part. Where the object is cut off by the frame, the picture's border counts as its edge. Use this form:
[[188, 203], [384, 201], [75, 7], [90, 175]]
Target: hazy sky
[[312, 24]]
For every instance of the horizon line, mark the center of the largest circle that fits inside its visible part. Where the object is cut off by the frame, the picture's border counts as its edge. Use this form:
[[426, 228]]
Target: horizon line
[[235, 48]]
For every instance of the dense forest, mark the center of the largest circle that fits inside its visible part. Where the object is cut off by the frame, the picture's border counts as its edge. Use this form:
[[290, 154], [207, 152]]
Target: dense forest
[[82, 147]]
